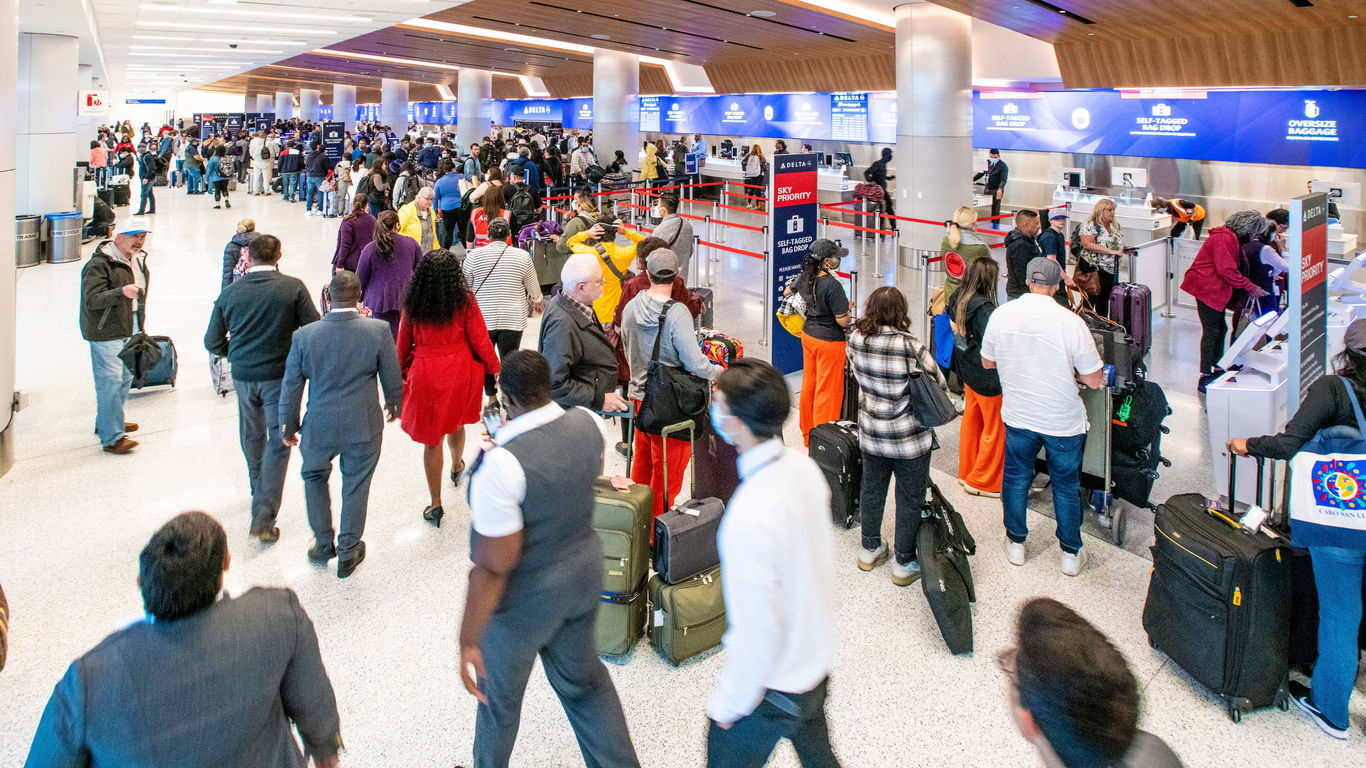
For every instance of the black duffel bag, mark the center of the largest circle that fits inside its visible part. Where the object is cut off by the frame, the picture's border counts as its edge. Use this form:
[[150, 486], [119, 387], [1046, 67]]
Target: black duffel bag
[[141, 353], [672, 394], [942, 548]]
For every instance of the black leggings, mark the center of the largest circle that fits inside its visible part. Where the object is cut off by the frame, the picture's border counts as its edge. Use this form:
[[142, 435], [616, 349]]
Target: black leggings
[[1213, 331], [450, 221], [504, 342], [220, 190]]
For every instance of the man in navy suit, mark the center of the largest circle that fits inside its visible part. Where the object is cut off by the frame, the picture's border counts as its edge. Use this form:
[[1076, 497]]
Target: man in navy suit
[[340, 357]]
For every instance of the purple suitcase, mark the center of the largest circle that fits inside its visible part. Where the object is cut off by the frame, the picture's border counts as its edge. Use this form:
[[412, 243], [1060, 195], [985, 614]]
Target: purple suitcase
[[1131, 305], [714, 470]]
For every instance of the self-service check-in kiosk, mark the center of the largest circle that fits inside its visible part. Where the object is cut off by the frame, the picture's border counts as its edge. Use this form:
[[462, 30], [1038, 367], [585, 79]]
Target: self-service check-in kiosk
[[1346, 302], [1249, 401]]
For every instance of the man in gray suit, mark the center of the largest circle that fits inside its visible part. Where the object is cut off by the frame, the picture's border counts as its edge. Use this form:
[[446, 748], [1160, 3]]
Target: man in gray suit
[[537, 576], [206, 681], [340, 358]]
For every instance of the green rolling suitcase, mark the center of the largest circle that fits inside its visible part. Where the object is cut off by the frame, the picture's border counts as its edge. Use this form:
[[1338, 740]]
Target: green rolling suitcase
[[689, 617], [622, 520]]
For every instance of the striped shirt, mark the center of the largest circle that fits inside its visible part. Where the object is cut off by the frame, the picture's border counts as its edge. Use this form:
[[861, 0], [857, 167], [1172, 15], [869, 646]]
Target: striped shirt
[[882, 364], [503, 281]]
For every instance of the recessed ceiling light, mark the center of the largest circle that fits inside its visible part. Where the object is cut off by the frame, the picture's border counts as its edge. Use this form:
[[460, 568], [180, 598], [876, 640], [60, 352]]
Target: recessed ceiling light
[[200, 27], [255, 14], [194, 39], [600, 37], [763, 14]]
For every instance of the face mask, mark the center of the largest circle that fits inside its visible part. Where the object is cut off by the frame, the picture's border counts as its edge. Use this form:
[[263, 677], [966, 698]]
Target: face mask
[[716, 418], [991, 161]]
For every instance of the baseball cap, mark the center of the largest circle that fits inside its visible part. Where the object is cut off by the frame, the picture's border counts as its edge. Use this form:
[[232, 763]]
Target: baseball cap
[[827, 249], [1355, 337], [133, 226], [1045, 271], [1058, 215], [662, 263]]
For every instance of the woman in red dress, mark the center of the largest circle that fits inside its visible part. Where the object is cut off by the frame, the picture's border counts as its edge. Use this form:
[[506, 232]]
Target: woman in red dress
[[444, 350]]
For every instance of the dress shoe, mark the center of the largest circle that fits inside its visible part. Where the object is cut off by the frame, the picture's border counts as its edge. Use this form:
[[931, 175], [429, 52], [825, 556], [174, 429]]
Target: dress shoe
[[320, 555], [266, 535], [124, 445], [128, 426], [347, 566]]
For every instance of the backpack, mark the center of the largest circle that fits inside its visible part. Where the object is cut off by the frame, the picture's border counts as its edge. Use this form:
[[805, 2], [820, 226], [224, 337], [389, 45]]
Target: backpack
[[408, 190], [243, 264], [265, 151], [162, 164], [1074, 245], [522, 201], [594, 173]]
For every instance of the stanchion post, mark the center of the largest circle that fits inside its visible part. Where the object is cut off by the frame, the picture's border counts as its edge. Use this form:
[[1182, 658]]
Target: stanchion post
[[924, 257], [825, 227], [1170, 311], [634, 210], [877, 246], [765, 321]]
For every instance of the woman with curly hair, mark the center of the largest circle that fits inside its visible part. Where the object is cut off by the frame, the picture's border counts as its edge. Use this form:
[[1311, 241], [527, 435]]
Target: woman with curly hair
[[385, 268], [445, 352]]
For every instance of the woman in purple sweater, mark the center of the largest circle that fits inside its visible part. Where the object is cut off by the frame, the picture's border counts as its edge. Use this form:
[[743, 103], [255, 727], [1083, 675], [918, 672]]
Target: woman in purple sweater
[[357, 231], [386, 267]]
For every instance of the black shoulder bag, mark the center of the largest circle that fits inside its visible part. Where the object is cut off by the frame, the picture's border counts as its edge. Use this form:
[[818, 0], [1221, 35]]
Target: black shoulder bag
[[672, 394]]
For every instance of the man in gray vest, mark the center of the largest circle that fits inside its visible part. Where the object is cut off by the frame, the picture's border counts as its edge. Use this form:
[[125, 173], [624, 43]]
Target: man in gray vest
[[537, 575]]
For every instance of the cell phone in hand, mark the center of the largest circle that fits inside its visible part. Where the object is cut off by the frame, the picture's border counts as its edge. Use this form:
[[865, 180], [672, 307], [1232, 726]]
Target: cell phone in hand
[[492, 417]]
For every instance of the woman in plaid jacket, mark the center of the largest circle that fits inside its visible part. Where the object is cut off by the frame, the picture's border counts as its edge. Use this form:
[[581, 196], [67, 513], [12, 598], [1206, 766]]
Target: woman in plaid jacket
[[882, 353]]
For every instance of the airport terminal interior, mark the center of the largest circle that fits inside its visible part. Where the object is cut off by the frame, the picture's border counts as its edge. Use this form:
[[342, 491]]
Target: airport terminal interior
[[878, 123]]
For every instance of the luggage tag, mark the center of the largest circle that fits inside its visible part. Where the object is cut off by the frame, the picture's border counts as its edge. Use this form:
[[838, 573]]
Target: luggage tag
[[1254, 518], [621, 483]]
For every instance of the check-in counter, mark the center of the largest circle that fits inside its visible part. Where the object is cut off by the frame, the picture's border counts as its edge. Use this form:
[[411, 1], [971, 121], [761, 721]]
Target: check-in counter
[[832, 185], [1139, 222]]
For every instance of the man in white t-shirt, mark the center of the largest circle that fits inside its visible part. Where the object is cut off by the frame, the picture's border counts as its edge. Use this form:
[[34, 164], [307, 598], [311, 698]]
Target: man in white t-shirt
[[1041, 350]]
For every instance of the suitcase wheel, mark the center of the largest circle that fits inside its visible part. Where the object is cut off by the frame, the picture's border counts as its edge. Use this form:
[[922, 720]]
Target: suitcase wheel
[[1234, 713]]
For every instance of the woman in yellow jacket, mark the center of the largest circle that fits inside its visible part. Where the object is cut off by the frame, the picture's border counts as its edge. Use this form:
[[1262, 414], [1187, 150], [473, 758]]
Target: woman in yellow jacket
[[418, 221], [600, 240]]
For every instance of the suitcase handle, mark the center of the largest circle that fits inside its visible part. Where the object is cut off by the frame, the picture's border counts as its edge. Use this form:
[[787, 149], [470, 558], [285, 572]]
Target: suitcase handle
[[1233, 474]]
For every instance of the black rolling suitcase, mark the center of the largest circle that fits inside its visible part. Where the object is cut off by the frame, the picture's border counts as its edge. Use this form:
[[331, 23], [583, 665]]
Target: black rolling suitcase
[[849, 410], [122, 194], [1219, 602], [715, 472], [834, 448]]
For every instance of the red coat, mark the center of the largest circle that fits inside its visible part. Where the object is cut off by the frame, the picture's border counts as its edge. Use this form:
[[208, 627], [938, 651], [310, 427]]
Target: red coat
[[443, 373], [1216, 274]]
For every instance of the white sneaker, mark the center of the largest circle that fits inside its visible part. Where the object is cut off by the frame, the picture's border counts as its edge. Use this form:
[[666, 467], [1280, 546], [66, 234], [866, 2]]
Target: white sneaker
[[1072, 564], [905, 575], [1015, 553], [869, 559]]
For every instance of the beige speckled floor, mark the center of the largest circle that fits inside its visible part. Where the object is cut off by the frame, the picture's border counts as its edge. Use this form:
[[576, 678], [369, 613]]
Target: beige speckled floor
[[72, 521]]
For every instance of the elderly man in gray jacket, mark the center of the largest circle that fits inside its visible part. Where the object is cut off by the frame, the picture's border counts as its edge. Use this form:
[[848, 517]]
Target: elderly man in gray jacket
[[583, 363], [340, 357]]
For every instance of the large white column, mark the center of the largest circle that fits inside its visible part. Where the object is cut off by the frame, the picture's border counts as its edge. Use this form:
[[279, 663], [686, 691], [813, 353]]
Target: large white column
[[934, 118], [249, 104], [393, 107], [47, 123], [309, 101], [616, 105], [344, 105], [86, 126], [265, 103], [473, 105], [284, 105], [9, 69]]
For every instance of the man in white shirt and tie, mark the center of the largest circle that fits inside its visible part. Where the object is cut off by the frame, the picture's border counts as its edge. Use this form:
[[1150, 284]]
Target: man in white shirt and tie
[[777, 572]]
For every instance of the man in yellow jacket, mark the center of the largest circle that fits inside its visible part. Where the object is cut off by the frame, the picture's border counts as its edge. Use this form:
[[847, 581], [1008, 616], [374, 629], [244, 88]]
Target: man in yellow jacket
[[418, 221], [600, 241]]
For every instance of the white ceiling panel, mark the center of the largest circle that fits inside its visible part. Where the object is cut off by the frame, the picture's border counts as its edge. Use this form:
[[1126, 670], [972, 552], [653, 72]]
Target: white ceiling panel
[[172, 45]]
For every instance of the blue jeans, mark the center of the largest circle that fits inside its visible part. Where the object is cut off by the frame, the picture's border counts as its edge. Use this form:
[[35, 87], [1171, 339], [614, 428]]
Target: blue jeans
[[1337, 575], [112, 380], [291, 186], [194, 181], [1064, 471], [311, 184]]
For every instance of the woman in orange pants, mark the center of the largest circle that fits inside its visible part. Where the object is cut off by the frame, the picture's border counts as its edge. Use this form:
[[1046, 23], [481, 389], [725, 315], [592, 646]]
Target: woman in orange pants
[[982, 439], [823, 335]]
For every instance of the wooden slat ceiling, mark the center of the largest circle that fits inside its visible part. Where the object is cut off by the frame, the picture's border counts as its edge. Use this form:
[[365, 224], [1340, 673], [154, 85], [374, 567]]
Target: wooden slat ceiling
[[1192, 42], [1136, 44]]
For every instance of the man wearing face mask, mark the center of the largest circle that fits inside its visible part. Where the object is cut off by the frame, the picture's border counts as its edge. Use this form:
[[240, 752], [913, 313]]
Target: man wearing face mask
[[777, 554], [997, 173], [674, 230]]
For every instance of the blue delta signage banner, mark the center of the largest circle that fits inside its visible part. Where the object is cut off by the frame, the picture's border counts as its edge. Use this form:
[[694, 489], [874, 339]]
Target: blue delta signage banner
[[792, 230], [1299, 127]]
